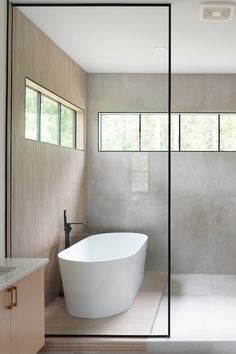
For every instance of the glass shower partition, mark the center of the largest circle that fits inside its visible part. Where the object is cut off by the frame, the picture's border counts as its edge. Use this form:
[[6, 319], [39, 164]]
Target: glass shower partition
[[125, 50]]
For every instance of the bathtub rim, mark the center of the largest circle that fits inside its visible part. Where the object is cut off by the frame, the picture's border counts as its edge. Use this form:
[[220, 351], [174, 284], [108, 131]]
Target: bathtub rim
[[60, 258]]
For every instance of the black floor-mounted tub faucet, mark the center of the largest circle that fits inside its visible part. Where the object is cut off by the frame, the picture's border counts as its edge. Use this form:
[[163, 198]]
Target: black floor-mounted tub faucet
[[68, 229]]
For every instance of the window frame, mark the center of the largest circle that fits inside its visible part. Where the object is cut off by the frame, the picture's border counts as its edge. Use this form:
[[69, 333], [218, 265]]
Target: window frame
[[79, 116], [179, 131]]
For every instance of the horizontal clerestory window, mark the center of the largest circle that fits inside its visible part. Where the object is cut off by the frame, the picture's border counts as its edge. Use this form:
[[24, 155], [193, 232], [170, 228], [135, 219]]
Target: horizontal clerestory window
[[149, 131], [51, 119]]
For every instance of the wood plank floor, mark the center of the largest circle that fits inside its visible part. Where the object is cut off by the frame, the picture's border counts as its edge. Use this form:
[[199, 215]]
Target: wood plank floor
[[138, 320], [95, 345]]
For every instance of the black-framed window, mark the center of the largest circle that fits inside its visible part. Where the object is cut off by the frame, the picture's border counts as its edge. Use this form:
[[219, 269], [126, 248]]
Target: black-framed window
[[51, 119], [149, 131]]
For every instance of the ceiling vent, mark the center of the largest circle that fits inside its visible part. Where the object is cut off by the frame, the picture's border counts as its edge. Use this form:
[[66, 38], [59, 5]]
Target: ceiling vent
[[216, 11]]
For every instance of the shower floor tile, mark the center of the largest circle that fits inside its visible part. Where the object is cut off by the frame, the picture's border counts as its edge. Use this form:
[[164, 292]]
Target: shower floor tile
[[138, 320], [203, 308], [210, 317]]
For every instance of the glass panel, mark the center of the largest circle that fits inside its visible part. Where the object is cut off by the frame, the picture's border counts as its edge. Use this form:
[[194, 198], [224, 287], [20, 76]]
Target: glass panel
[[49, 121], [228, 132], [119, 132], [31, 116], [199, 132], [128, 189], [67, 127], [154, 132]]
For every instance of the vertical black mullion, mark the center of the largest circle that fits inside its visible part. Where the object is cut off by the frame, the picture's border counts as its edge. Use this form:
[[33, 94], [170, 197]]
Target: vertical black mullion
[[59, 124], [169, 171], [39, 101], [8, 131], [218, 132], [139, 132], [179, 132]]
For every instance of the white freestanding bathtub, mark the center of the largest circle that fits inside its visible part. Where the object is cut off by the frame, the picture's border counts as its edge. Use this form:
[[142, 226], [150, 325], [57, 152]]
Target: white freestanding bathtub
[[102, 274]]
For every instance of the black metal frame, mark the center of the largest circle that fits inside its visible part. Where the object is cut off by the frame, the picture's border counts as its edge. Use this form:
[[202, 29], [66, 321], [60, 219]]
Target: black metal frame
[[8, 164], [168, 6], [179, 124], [6, 130]]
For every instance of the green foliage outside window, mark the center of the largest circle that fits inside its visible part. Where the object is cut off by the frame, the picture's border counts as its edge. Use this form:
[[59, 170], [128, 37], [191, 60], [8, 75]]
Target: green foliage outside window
[[31, 115], [57, 122], [199, 132], [154, 132], [67, 127], [49, 121], [228, 132], [120, 132], [149, 132]]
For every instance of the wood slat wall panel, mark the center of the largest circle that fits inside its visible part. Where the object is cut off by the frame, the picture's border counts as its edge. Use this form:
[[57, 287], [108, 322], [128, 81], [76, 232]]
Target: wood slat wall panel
[[45, 179]]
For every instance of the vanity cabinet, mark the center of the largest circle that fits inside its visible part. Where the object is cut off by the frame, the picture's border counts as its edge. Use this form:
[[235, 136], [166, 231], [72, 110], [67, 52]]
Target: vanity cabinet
[[5, 324], [22, 315]]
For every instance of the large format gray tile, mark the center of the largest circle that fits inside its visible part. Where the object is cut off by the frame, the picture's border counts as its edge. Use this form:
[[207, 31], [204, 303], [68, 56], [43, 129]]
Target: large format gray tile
[[189, 93], [108, 214], [222, 284], [139, 181], [190, 284], [158, 173], [190, 228], [109, 175], [140, 162], [222, 174], [133, 93], [222, 237], [149, 216], [190, 175]]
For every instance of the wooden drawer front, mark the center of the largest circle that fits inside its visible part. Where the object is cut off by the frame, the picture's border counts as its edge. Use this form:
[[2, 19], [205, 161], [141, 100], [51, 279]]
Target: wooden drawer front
[[27, 317]]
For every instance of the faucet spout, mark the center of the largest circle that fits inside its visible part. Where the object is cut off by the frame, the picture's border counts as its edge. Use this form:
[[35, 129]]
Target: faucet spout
[[68, 229]]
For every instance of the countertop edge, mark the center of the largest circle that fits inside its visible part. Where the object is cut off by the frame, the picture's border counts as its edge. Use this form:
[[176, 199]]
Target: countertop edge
[[22, 273]]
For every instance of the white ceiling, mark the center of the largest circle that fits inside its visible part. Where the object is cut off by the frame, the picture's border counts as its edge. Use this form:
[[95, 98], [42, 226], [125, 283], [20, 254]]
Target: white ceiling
[[122, 39]]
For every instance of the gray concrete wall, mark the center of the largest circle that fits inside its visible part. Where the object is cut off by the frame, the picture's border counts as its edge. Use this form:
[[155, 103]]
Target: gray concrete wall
[[203, 184], [3, 23]]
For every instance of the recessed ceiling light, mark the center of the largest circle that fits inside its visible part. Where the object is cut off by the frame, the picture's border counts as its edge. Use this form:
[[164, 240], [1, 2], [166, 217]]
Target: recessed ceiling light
[[217, 11], [160, 48]]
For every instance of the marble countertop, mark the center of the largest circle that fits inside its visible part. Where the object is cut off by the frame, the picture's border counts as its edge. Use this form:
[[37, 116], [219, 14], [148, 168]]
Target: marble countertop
[[14, 269]]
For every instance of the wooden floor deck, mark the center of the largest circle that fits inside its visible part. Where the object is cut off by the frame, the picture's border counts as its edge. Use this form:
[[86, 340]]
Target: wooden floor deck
[[138, 320]]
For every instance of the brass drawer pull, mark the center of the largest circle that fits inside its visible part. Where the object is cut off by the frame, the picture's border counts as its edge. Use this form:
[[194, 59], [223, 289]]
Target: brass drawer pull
[[10, 306], [14, 288]]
